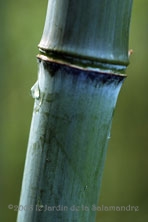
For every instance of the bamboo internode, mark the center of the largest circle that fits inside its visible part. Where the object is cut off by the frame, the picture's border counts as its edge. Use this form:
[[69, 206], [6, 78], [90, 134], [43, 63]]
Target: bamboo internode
[[91, 31]]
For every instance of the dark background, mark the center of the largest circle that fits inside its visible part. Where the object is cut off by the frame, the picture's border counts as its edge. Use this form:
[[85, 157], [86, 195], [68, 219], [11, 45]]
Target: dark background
[[125, 180]]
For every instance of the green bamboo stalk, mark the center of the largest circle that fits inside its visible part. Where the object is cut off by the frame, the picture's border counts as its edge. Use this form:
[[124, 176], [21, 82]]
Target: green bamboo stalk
[[82, 61]]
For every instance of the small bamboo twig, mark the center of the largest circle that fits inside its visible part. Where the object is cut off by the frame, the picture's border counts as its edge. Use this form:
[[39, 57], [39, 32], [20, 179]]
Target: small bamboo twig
[[82, 62]]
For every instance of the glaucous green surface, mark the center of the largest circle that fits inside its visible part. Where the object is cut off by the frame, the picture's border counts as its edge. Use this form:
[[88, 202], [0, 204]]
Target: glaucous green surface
[[125, 177]]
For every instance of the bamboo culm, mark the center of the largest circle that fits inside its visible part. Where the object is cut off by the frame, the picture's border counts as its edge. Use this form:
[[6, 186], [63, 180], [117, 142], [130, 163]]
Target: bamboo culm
[[75, 97]]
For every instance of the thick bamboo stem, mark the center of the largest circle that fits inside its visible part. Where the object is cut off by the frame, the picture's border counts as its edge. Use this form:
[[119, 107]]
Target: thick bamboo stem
[[75, 97]]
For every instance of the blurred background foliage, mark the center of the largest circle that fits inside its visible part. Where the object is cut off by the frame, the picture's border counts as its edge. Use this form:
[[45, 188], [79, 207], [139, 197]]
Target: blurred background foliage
[[125, 180]]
